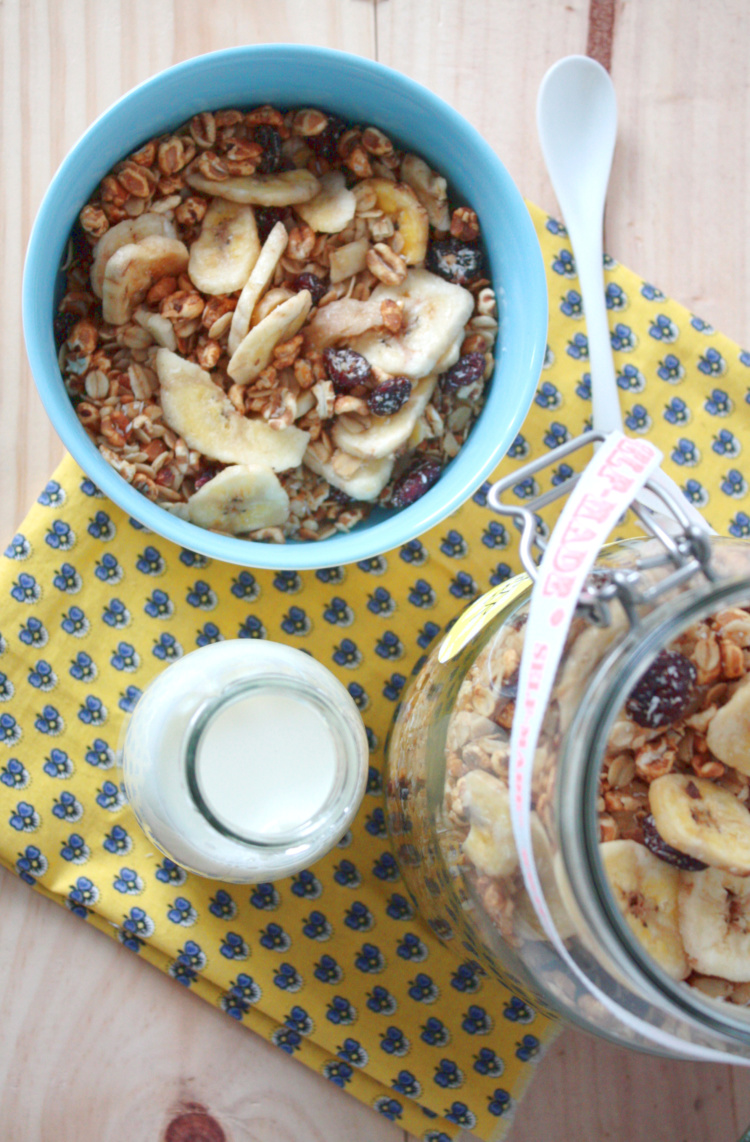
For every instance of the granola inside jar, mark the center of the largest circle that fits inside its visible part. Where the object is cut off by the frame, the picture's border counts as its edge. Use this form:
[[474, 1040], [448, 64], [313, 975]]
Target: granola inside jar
[[645, 723]]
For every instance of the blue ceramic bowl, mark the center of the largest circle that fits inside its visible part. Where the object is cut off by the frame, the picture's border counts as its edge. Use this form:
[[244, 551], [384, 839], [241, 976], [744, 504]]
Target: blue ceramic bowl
[[356, 89]]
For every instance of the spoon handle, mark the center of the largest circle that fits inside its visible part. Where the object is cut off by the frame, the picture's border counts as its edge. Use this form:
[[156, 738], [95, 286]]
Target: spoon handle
[[587, 245], [577, 125]]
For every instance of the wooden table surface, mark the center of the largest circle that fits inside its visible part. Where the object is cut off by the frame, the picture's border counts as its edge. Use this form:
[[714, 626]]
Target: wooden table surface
[[96, 1046]]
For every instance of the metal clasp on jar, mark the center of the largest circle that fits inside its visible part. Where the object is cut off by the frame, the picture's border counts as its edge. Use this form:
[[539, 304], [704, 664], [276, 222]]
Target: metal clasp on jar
[[686, 546]]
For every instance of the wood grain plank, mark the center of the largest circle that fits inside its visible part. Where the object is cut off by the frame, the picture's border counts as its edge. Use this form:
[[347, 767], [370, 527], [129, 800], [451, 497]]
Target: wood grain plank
[[487, 61], [676, 214], [601, 31], [100, 1047], [592, 1091], [678, 207]]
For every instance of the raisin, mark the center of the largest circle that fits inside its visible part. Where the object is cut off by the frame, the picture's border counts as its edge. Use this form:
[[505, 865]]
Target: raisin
[[466, 370], [455, 261], [270, 140], [656, 844], [326, 143], [266, 218], [664, 692], [62, 325], [337, 496], [346, 368], [317, 287], [414, 482], [389, 396]]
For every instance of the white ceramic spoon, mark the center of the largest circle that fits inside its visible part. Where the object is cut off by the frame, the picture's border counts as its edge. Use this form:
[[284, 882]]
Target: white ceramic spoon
[[577, 124]]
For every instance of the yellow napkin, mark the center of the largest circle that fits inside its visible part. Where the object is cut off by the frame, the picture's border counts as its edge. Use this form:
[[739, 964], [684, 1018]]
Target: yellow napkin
[[331, 966]]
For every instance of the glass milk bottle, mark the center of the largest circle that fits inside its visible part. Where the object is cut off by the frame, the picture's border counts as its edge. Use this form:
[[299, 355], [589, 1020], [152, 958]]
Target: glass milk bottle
[[245, 761]]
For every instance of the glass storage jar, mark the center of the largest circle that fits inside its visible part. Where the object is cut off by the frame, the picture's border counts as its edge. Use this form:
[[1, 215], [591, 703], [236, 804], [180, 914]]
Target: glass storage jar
[[451, 827]]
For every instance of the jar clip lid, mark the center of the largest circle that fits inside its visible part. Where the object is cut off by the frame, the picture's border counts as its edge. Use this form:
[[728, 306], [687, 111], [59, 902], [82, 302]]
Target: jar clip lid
[[686, 546]]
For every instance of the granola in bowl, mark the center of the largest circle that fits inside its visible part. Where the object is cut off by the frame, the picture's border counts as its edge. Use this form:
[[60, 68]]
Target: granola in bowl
[[274, 320]]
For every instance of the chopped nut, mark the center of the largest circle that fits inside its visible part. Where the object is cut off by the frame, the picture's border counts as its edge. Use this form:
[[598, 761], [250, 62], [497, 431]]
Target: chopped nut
[[392, 315], [175, 153], [203, 130], [237, 394], [381, 228], [464, 224], [93, 220], [301, 243], [607, 828], [621, 771], [708, 767], [191, 211], [161, 289], [83, 337], [707, 658], [212, 167], [474, 343], [375, 142], [143, 382], [732, 659], [309, 122], [182, 306], [146, 154], [89, 415], [208, 354], [347, 403], [654, 760], [285, 354], [326, 398], [303, 373], [388, 267], [354, 155], [136, 180]]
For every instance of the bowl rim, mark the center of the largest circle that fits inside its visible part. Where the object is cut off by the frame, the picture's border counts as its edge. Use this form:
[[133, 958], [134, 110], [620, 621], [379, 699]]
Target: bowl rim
[[349, 547]]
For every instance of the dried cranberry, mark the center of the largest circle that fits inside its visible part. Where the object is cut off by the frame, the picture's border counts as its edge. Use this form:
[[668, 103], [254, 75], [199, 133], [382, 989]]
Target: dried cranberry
[[415, 481], [326, 143], [656, 844], [337, 496], [455, 261], [389, 396], [270, 140], [205, 477], [466, 370], [266, 218], [663, 694], [346, 368], [316, 286]]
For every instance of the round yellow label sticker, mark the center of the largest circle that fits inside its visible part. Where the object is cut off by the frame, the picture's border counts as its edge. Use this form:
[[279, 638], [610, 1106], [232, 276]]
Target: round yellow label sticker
[[476, 616]]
